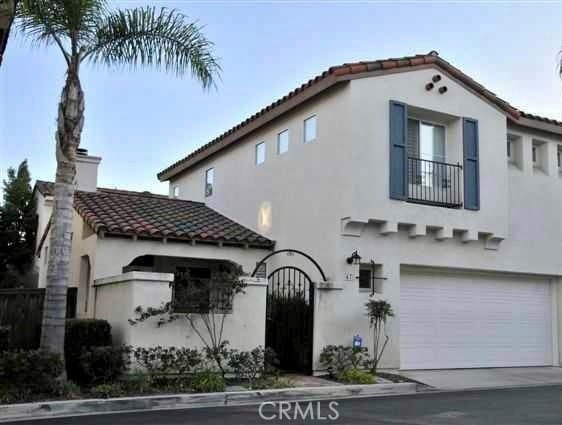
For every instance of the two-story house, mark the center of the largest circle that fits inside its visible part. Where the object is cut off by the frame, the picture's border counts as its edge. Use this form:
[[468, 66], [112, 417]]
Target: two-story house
[[407, 178]]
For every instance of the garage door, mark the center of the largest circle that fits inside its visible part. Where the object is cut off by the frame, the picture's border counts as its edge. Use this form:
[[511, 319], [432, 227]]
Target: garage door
[[452, 320]]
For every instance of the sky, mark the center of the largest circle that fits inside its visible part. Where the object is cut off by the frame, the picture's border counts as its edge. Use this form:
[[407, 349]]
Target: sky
[[141, 121]]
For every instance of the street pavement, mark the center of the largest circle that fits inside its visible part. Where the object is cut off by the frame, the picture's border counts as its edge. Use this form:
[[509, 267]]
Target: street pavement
[[520, 406]]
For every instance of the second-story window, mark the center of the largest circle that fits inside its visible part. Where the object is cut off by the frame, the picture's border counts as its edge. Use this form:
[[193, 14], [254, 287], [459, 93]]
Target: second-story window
[[209, 182], [310, 129], [260, 153], [283, 142], [176, 192]]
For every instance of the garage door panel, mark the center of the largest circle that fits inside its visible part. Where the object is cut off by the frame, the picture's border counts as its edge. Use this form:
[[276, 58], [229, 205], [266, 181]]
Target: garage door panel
[[452, 321]]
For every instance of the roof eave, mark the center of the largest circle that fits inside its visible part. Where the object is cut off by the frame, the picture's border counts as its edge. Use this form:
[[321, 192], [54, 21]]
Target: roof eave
[[334, 75]]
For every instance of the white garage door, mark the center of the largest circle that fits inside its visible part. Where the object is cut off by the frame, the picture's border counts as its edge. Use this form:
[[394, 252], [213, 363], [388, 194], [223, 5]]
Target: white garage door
[[460, 320]]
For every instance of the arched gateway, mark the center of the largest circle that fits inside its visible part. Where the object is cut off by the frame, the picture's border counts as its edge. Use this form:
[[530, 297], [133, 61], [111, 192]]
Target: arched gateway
[[290, 312]]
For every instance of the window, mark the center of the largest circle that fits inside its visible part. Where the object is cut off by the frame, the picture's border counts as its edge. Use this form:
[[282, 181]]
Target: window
[[260, 153], [209, 181], [426, 140], [509, 148], [176, 192], [283, 142], [534, 154], [194, 290], [365, 277], [310, 129], [559, 157]]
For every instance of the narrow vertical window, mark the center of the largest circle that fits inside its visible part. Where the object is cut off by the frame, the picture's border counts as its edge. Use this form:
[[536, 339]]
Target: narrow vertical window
[[209, 181], [534, 153], [283, 142], [176, 192], [260, 153], [310, 129]]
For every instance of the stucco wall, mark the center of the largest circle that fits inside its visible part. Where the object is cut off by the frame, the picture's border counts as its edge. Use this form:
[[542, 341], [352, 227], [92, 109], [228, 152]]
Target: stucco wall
[[330, 197], [118, 296]]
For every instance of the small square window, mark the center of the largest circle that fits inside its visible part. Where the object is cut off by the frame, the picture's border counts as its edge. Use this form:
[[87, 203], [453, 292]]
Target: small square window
[[176, 192], [283, 142], [260, 153], [209, 182], [310, 129]]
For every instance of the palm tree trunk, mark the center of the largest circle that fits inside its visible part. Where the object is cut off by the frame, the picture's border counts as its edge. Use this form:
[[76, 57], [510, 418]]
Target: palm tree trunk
[[70, 121]]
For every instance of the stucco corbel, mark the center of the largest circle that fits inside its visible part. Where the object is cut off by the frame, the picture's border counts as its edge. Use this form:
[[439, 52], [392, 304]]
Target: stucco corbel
[[350, 227], [444, 233]]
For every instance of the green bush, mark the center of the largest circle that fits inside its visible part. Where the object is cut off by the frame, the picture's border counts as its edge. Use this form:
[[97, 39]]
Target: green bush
[[356, 376], [207, 381], [337, 358], [82, 334], [167, 360], [101, 365], [247, 365], [107, 391], [26, 373]]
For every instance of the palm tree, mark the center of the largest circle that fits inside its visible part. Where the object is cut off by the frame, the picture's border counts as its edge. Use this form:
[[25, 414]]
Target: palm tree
[[88, 31]]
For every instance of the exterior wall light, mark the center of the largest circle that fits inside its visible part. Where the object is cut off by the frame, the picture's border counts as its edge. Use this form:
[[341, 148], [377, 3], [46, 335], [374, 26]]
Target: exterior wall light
[[354, 258]]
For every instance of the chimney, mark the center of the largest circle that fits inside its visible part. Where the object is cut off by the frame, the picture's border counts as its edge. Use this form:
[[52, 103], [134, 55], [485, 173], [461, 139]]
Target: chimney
[[86, 170]]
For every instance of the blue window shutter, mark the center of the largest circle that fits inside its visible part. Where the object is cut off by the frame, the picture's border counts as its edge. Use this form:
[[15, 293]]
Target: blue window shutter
[[398, 153], [471, 165]]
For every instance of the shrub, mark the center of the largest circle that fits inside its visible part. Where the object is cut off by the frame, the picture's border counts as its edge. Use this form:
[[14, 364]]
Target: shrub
[[207, 381], [107, 391], [355, 376], [100, 365], [337, 358], [4, 338], [25, 373], [83, 334], [247, 365], [171, 360]]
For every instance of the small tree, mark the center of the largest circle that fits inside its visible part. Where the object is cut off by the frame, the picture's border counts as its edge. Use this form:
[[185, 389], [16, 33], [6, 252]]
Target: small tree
[[17, 228], [378, 311], [205, 306]]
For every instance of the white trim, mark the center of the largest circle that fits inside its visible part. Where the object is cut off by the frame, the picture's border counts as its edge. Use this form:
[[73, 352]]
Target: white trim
[[136, 276]]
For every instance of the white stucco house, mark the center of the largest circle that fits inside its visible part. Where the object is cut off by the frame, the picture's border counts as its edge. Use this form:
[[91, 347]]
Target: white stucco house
[[402, 177]]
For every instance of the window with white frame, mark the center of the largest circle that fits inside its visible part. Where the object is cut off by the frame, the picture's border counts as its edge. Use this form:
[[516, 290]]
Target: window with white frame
[[425, 141], [310, 129], [283, 142], [209, 182], [260, 153], [176, 192]]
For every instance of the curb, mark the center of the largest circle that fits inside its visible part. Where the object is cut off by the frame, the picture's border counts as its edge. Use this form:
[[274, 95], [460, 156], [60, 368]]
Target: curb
[[51, 409]]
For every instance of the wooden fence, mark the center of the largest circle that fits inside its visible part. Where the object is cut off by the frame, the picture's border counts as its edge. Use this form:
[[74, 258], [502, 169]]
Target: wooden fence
[[21, 310]]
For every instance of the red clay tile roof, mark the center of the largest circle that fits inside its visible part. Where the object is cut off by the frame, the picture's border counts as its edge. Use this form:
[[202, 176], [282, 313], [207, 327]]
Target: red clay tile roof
[[144, 214], [334, 75]]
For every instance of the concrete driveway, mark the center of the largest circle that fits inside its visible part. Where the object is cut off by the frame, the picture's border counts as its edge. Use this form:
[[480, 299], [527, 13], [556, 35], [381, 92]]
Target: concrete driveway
[[459, 379]]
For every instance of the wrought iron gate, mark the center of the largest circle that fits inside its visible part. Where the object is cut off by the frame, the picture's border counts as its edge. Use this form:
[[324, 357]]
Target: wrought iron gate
[[290, 318]]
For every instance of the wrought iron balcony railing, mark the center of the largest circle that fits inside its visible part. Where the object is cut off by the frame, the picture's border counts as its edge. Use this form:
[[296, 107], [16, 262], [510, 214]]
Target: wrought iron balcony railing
[[434, 183]]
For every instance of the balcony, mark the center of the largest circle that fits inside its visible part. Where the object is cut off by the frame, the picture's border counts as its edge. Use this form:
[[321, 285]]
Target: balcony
[[434, 183]]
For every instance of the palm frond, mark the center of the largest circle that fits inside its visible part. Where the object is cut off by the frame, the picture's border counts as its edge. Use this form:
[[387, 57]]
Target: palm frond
[[147, 37], [64, 22]]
